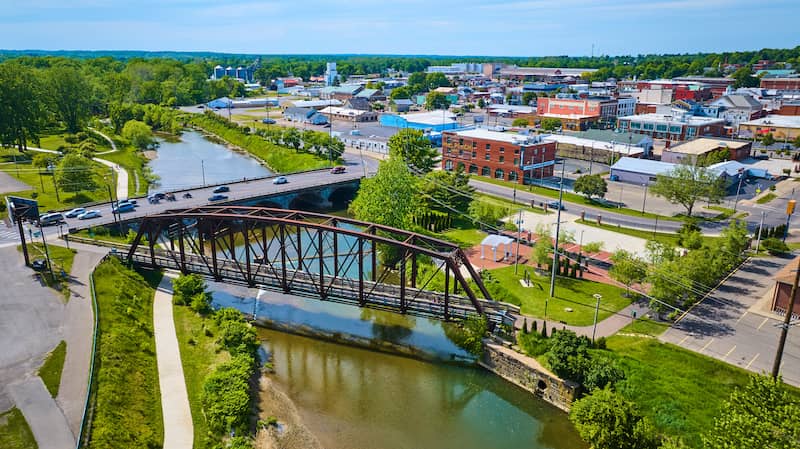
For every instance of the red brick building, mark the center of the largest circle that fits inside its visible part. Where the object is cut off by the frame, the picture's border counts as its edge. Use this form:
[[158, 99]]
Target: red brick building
[[780, 83], [783, 289], [499, 155]]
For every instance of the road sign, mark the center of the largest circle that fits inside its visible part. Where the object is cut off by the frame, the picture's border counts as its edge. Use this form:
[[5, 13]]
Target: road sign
[[19, 208], [790, 207]]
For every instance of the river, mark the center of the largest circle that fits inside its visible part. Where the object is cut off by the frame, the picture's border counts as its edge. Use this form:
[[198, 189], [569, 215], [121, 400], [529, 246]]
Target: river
[[185, 163], [356, 398]]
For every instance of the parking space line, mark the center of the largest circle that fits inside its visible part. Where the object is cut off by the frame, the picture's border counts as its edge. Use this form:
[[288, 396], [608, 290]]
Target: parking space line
[[763, 323], [743, 315], [707, 345], [728, 353], [751, 361], [683, 339]]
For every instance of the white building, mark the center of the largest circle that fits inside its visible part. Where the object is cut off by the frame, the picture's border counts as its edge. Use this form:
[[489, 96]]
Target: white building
[[330, 74], [456, 69]]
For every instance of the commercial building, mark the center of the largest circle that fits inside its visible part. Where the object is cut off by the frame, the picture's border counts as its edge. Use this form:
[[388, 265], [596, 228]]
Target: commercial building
[[693, 149], [737, 108], [602, 109], [781, 84], [783, 290], [625, 106], [548, 74], [499, 155], [782, 127], [462, 68], [681, 127], [225, 102], [304, 115], [575, 147], [313, 104], [429, 121], [343, 92], [348, 114]]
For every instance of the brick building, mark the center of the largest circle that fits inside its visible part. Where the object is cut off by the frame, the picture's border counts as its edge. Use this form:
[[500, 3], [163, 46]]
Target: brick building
[[498, 155], [672, 127], [783, 289], [781, 83], [603, 108]]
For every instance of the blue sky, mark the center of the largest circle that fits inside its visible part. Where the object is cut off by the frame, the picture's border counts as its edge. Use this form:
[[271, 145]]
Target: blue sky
[[451, 27]]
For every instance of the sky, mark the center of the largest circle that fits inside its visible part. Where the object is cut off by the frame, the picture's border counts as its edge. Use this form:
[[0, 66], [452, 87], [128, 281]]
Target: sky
[[440, 27]]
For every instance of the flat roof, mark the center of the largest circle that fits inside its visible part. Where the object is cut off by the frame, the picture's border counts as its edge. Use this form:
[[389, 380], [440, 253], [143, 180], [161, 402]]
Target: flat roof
[[704, 145], [616, 147], [644, 166], [343, 111], [660, 118], [430, 118], [785, 121], [569, 116], [509, 137], [316, 103]]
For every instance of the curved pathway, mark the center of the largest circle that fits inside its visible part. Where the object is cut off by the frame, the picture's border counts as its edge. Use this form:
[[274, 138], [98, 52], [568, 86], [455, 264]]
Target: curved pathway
[[108, 139], [178, 428], [122, 174]]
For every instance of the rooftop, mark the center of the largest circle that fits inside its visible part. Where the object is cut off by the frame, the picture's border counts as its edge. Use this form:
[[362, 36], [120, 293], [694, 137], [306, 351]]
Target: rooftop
[[544, 71], [704, 145], [646, 166], [316, 103], [430, 118], [608, 135], [660, 118], [509, 137], [617, 147], [570, 116], [786, 121], [343, 111]]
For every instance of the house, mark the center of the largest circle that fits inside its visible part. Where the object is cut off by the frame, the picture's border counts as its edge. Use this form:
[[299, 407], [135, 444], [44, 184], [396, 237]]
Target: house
[[737, 108], [402, 105], [694, 149], [358, 103], [304, 115], [499, 155]]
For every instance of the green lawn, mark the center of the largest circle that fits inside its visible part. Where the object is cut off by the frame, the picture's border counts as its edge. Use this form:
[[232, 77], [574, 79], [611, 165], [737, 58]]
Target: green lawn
[[573, 198], [680, 390], [50, 371], [55, 140], [766, 198], [127, 404], [464, 237], [13, 155], [570, 293], [200, 355], [110, 234], [15, 432], [61, 257], [645, 326], [134, 162], [663, 237]]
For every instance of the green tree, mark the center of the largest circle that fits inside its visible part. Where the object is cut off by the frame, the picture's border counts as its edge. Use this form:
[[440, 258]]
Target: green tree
[[436, 79], [402, 92], [481, 103], [528, 97], [550, 124], [487, 213], [138, 133], [436, 100], [186, 287], [43, 160], [686, 184], [412, 147], [388, 198], [607, 421], [292, 138], [416, 78], [520, 122], [70, 95], [768, 139], [762, 415], [796, 142], [569, 355], [445, 191], [744, 78], [74, 173], [628, 269], [23, 111], [591, 185]]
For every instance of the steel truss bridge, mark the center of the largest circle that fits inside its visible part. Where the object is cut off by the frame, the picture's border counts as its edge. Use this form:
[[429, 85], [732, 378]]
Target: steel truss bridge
[[319, 256]]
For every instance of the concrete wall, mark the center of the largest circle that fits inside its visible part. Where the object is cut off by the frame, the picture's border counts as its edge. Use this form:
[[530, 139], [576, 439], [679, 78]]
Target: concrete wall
[[528, 374]]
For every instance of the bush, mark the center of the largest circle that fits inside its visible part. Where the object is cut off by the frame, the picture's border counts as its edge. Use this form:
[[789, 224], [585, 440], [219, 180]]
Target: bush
[[201, 303], [226, 395], [185, 287], [569, 355], [468, 334], [602, 371], [236, 335], [533, 344], [775, 246]]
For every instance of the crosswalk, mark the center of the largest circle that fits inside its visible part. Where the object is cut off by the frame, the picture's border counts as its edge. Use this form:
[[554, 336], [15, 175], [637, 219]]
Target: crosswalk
[[8, 234]]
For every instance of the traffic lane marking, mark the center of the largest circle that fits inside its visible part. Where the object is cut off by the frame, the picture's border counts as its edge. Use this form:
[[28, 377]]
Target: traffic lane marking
[[751, 361], [743, 315], [680, 343], [763, 323], [707, 345]]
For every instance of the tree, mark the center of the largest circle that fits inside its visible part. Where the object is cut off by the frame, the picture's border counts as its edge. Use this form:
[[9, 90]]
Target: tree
[[416, 78], [74, 173], [445, 191], [628, 269], [436, 79], [412, 147], [186, 286], [43, 160], [762, 415], [519, 122], [591, 185], [70, 94], [138, 133], [607, 421], [436, 100], [768, 139], [686, 184], [528, 97], [292, 138], [796, 142], [569, 355], [744, 78], [486, 213], [481, 103], [22, 107], [388, 198], [550, 124]]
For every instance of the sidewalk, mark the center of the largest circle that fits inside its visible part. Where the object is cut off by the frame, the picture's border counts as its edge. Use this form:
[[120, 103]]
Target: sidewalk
[[178, 428], [48, 424], [605, 328]]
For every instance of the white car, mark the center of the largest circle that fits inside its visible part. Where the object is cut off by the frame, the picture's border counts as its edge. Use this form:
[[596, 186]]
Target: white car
[[75, 212], [89, 214]]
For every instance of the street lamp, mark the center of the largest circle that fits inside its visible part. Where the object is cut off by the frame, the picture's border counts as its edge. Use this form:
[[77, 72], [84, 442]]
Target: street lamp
[[644, 197], [597, 297]]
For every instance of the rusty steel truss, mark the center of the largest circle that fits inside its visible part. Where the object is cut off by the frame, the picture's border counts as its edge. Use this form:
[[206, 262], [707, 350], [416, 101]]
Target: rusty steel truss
[[310, 254]]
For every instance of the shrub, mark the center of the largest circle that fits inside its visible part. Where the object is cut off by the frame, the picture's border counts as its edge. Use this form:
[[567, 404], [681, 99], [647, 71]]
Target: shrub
[[226, 395], [201, 303], [533, 344], [602, 371], [185, 287], [775, 246], [569, 355]]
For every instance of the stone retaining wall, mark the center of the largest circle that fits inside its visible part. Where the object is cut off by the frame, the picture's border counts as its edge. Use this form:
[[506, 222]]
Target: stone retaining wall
[[527, 373]]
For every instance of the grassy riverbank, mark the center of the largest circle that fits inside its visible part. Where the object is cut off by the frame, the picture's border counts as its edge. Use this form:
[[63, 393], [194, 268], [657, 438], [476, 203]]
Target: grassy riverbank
[[127, 400], [15, 432], [278, 158]]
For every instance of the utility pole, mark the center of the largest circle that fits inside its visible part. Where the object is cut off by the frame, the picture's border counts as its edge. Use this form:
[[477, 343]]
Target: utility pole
[[203, 170], [558, 231], [644, 198], [597, 297], [760, 227], [776, 367], [738, 189], [519, 236]]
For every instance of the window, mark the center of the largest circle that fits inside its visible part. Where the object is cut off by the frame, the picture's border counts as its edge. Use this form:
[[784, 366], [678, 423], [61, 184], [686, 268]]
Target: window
[[460, 153], [474, 144], [449, 140], [486, 171], [473, 169], [502, 159], [648, 126], [675, 129], [488, 156], [502, 150], [461, 141], [474, 154], [691, 131], [488, 146], [499, 174], [512, 176], [516, 150], [636, 125], [661, 128], [448, 165], [516, 162]]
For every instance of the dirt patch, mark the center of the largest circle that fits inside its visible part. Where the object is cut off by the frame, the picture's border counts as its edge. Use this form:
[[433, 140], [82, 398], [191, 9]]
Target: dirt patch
[[150, 154], [290, 433]]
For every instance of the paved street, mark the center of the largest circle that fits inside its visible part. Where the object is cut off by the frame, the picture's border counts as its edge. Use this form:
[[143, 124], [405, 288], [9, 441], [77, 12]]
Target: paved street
[[731, 325]]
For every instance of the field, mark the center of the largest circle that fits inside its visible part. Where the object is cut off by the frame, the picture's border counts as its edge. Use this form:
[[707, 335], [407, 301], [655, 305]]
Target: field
[[50, 371], [14, 431]]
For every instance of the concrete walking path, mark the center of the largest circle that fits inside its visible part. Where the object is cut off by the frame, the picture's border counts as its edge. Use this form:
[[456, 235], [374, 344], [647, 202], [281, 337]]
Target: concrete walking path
[[47, 422], [178, 428], [108, 139], [122, 174]]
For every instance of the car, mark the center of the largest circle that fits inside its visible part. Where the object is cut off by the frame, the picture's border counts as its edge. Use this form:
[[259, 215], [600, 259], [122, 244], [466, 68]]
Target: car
[[122, 208], [51, 219], [338, 169], [39, 264], [217, 197], [89, 214], [280, 180], [157, 195], [75, 212], [555, 205], [268, 121], [201, 106], [127, 202], [222, 189]]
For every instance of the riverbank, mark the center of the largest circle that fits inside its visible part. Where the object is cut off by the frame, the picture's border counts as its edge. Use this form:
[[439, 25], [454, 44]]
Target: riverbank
[[289, 432]]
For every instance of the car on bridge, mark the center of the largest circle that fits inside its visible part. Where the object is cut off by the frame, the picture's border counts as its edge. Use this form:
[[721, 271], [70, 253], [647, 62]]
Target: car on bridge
[[89, 214], [121, 208], [51, 219], [556, 205], [217, 197], [75, 212], [222, 189], [280, 180], [338, 169]]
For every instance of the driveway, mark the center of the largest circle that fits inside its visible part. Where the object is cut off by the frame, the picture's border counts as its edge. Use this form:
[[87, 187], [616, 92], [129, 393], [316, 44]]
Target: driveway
[[732, 324]]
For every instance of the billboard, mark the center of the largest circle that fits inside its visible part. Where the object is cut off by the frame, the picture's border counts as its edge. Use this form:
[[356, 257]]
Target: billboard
[[22, 208]]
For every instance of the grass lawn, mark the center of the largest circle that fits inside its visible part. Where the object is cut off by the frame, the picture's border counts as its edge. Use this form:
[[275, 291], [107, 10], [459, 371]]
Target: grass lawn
[[573, 198], [680, 390], [12, 155], [199, 355], [50, 371], [134, 162], [766, 198], [645, 326], [127, 401], [55, 140], [61, 257], [465, 238], [663, 237], [570, 293], [100, 233], [15, 432]]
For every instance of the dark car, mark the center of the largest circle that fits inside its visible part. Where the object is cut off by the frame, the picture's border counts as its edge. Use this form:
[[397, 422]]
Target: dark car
[[39, 265], [222, 189], [555, 205], [217, 197], [268, 121], [338, 169]]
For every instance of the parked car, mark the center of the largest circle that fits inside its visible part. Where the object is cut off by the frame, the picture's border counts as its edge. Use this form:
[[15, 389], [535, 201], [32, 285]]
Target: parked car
[[51, 219], [39, 265], [555, 205], [268, 121], [338, 169], [222, 189], [75, 212], [217, 197], [280, 180], [122, 208], [89, 214]]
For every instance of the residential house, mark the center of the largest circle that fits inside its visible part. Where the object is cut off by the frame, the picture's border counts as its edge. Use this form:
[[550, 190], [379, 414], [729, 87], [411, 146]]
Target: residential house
[[737, 108]]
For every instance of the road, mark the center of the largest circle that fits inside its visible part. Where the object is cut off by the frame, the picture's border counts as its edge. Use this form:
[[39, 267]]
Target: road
[[732, 325]]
